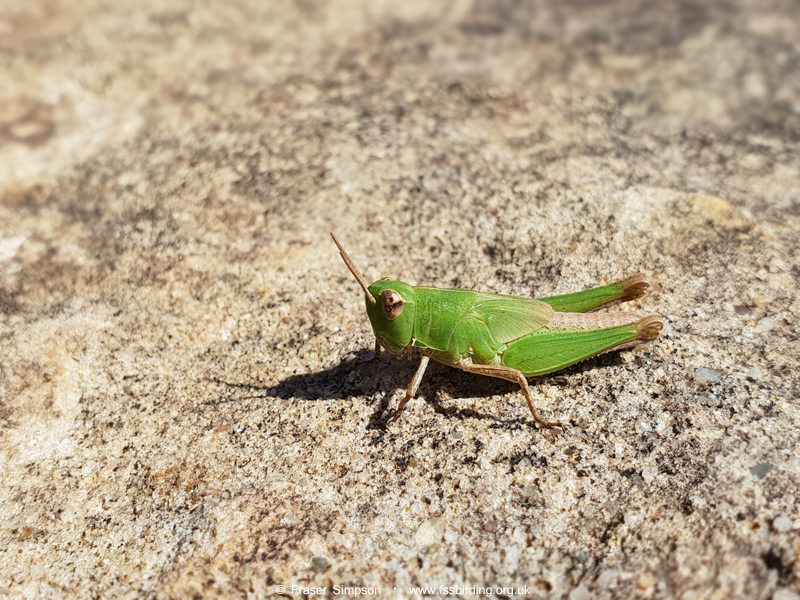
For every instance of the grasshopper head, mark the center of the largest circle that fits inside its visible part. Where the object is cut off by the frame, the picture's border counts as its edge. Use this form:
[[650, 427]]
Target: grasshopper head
[[390, 306], [392, 315]]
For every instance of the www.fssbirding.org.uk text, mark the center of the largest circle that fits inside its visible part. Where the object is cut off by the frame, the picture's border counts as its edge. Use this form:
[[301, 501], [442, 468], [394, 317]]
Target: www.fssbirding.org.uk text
[[442, 590]]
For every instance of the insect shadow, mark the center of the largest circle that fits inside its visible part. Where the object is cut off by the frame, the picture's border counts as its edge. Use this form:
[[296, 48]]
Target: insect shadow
[[360, 377]]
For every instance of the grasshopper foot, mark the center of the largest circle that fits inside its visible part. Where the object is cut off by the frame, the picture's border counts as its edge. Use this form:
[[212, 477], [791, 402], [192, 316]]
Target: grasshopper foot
[[547, 424], [399, 411]]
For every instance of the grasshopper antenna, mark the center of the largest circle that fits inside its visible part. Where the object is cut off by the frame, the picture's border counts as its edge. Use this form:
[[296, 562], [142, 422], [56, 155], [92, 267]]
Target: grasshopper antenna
[[353, 269]]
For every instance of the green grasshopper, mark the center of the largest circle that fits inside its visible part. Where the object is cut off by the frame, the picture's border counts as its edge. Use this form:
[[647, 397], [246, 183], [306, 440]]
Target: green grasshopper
[[508, 337]]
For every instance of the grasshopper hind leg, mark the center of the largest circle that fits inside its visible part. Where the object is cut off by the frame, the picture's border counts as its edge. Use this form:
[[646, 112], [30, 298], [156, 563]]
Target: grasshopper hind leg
[[508, 374], [628, 289]]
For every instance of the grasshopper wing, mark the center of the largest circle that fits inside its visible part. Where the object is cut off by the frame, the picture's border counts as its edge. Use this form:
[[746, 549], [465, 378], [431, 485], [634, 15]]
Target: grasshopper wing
[[509, 318]]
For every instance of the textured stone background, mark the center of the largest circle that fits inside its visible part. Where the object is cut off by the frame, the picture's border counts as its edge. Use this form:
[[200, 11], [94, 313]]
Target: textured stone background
[[182, 411]]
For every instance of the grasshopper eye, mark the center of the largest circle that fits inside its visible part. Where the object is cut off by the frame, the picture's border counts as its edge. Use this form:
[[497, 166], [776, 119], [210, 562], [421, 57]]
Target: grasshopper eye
[[391, 303]]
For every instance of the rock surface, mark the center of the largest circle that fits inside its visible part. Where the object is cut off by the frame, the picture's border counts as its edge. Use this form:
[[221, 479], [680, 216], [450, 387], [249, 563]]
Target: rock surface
[[183, 412]]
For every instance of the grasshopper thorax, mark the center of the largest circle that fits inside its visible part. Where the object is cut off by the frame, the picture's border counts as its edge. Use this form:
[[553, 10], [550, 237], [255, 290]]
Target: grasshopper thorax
[[392, 316]]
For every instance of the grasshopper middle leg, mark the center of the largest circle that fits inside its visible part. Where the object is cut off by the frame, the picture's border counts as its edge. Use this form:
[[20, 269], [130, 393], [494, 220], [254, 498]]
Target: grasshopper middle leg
[[508, 374]]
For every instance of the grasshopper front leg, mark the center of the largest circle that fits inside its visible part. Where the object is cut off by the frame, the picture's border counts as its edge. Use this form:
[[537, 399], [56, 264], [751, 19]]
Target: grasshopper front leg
[[376, 354], [411, 390]]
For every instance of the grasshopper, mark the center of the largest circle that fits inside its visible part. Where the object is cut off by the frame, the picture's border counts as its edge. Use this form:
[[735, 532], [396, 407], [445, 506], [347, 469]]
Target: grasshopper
[[502, 336]]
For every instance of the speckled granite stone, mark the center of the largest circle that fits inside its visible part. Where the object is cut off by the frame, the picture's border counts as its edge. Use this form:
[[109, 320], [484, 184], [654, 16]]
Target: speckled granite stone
[[184, 412]]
